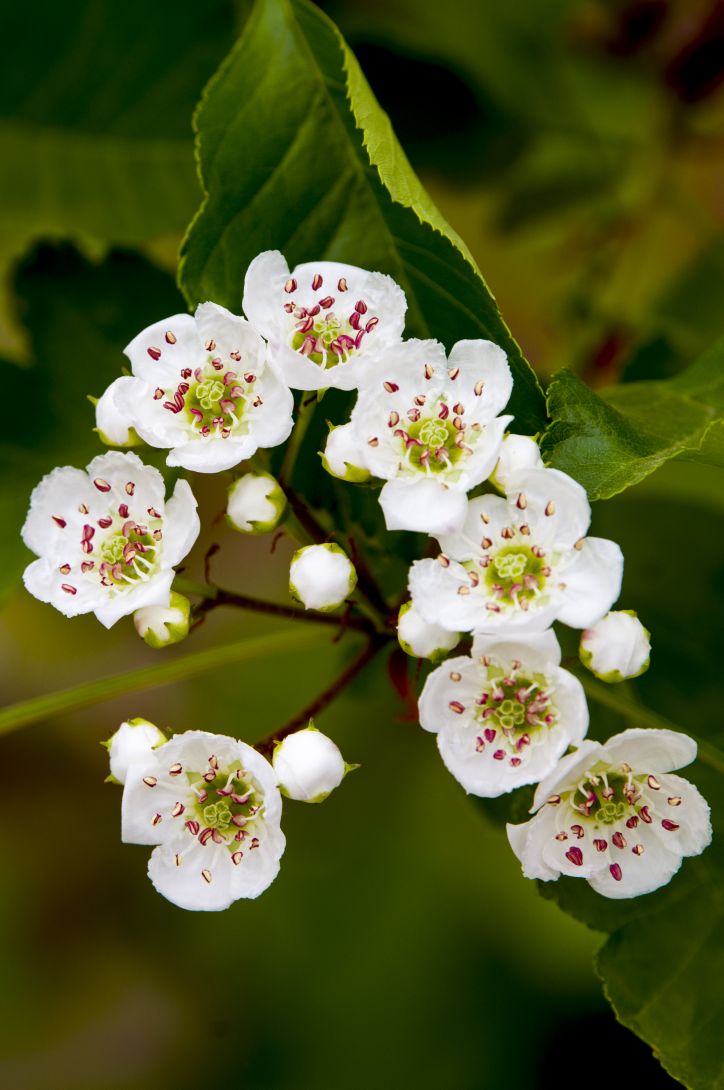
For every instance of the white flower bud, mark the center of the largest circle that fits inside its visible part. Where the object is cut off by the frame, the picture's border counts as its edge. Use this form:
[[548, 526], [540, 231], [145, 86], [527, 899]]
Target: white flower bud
[[160, 626], [113, 422], [256, 503], [308, 765], [422, 639], [131, 744], [616, 647], [517, 452], [321, 577], [342, 457]]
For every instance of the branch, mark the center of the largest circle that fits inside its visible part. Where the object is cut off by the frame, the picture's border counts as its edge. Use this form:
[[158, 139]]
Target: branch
[[356, 666], [214, 597]]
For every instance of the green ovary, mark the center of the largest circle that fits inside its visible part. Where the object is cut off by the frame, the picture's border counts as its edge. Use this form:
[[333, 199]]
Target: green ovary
[[515, 704], [435, 448], [217, 815], [514, 574]]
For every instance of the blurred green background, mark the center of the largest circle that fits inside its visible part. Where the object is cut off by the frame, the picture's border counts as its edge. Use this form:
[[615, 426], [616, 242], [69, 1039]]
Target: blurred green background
[[577, 147]]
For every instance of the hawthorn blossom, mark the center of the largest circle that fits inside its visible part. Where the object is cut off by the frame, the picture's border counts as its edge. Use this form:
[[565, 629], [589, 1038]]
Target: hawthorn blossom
[[212, 806], [428, 425], [324, 321], [520, 563], [616, 647], [308, 765], [202, 386], [505, 714], [161, 626], [321, 577], [106, 538], [255, 503], [132, 742], [615, 815], [420, 639]]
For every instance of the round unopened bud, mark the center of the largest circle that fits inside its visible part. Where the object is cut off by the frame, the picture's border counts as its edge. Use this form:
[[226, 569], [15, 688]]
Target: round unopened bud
[[321, 577], [308, 765], [342, 455], [161, 626], [131, 744], [112, 417], [256, 503], [616, 647], [517, 452], [423, 640]]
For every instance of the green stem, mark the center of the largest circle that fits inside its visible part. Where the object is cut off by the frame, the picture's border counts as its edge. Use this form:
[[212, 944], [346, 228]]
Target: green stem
[[163, 673], [307, 406], [641, 716]]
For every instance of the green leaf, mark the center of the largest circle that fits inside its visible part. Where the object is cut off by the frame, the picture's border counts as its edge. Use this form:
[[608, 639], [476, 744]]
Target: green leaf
[[79, 316], [297, 155], [612, 441], [96, 142]]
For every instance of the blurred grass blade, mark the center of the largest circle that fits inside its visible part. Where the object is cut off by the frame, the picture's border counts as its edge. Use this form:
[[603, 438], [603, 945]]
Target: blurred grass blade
[[26, 712]]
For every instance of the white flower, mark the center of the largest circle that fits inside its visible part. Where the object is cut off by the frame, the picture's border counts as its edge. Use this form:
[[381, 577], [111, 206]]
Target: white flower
[[160, 626], [506, 714], [323, 320], [112, 418], [106, 538], [616, 647], [213, 807], [202, 386], [421, 639], [429, 426], [517, 452], [308, 765], [321, 576], [255, 503], [133, 742], [614, 815], [521, 563]]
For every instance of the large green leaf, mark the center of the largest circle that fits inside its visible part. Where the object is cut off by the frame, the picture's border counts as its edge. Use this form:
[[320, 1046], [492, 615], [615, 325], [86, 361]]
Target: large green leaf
[[79, 317], [612, 441], [662, 963], [295, 154], [94, 119]]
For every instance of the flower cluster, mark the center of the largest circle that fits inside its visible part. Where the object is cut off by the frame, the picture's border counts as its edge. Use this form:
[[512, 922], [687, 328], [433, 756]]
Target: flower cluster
[[509, 555]]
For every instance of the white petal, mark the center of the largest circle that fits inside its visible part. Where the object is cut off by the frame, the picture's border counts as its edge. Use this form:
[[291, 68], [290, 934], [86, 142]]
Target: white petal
[[118, 469], [207, 455], [478, 466], [113, 419], [142, 802], [551, 490], [519, 838], [59, 494], [465, 545], [271, 422], [639, 874], [438, 690], [484, 361], [181, 524], [263, 287], [592, 582], [422, 504], [569, 698], [420, 638], [536, 649], [650, 750], [43, 580], [693, 816], [165, 359], [230, 333], [155, 591], [204, 878]]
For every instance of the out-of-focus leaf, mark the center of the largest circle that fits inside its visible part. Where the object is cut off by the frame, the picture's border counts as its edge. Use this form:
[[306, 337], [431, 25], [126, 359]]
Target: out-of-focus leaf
[[96, 138], [298, 156], [612, 441], [79, 317]]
